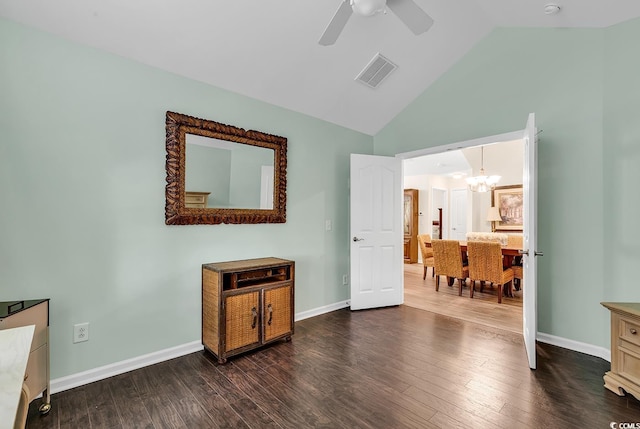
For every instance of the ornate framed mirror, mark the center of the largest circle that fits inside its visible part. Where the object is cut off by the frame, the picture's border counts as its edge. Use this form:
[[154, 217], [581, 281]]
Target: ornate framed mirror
[[219, 173]]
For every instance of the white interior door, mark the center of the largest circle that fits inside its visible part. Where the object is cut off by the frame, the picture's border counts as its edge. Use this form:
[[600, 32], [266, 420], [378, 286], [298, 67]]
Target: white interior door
[[530, 286], [376, 232], [458, 214], [266, 187]]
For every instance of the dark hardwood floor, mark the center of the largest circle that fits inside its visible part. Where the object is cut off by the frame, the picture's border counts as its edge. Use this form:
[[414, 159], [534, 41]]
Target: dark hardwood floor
[[394, 367]]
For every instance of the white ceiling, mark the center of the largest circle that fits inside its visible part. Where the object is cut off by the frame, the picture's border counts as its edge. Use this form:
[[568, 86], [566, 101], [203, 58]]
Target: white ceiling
[[268, 50], [438, 164]]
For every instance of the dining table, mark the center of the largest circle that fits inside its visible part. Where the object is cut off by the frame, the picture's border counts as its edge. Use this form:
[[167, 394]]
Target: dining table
[[510, 255], [509, 252]]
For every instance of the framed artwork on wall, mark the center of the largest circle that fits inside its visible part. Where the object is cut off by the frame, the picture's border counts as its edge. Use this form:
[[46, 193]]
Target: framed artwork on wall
[[510, 202]]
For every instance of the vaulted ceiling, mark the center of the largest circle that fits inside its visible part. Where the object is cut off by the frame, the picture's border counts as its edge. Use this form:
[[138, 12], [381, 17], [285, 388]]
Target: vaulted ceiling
[[268, 49]]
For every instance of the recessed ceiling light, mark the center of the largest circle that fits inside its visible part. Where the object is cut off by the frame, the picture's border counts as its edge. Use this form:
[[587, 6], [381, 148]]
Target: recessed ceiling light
[[551, 9]]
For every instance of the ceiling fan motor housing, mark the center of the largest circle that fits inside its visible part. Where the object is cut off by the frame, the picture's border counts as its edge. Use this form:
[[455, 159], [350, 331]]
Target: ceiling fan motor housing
[[368, 7]]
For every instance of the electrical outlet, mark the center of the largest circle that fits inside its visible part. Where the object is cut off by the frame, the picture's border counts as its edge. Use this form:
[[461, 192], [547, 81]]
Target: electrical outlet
[[328, 226], [345, 279], [81, 332]]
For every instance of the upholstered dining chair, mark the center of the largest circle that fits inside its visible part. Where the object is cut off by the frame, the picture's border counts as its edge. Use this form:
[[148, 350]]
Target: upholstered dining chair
[[485, 265], [427, 254], [447, 258], [516, 241], [517, 276]]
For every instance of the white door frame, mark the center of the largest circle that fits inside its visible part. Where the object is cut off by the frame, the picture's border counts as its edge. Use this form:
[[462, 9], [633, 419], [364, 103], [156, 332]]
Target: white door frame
[[511, 136]]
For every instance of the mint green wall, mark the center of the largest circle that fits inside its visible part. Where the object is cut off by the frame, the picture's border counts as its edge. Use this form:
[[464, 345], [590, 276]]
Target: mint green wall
[[622, 163], [558, 74], [82, 180]]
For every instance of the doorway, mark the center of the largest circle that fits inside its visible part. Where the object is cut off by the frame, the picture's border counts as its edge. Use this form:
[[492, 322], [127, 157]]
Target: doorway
[[463, 211], [380, 183]]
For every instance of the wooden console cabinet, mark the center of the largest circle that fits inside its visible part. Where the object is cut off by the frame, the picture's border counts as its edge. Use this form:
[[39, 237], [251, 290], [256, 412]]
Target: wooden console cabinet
[[246, 304], [14, 314], [196, 200], [410, 226], [625, 349]]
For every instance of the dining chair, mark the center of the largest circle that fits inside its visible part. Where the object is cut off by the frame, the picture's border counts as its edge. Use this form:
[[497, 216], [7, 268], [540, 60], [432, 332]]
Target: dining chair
[[485, 265], [427, 254], [517, 276], [447, 257], [516, 241]]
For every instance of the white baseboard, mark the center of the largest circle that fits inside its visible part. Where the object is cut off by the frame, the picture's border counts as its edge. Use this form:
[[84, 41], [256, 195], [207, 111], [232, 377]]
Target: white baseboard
[[100, 373], [321, 310], [577, 346]]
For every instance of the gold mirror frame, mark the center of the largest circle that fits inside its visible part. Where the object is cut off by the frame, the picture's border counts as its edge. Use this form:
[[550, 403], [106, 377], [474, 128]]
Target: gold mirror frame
[[177, 126]]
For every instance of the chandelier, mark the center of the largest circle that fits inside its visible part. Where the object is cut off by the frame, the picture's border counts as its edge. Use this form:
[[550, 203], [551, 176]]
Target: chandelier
[[482, 183]]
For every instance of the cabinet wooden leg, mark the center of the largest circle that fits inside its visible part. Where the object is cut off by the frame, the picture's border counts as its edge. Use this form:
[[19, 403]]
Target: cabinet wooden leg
[[287, 339]]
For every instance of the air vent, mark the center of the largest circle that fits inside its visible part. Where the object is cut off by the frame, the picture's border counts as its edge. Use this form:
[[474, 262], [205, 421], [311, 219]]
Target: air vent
[[375, 72]]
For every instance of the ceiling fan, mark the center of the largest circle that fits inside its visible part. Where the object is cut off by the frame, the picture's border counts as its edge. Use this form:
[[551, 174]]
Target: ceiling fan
[[408, 12]]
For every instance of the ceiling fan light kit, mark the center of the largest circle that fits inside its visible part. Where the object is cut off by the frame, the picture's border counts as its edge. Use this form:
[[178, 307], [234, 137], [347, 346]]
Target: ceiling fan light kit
[[551, 9], [367, 7], [406, 10]]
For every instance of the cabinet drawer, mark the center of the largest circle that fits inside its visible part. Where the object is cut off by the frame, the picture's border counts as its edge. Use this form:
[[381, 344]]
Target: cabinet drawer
[[630, 330], [36, 315], [36, 373], [629, 365], [194, 199]]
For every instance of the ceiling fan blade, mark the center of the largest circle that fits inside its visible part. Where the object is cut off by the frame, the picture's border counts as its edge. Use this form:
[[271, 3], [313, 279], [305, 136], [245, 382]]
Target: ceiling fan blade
[[336, 25], [410, 13]]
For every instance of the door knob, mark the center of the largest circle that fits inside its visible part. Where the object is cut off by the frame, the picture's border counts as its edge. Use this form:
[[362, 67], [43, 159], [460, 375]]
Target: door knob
[[526, 252], [357, 239]]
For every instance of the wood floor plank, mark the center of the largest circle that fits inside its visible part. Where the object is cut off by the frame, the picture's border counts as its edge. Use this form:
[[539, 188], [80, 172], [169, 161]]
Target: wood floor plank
[[221, 413], [156, 399], [287, 414], [130, 406], [73, 409], [104, 411], [248, 410]]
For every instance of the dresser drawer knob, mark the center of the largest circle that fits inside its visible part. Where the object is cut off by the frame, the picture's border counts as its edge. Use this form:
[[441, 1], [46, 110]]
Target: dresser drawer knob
[[633, 331]]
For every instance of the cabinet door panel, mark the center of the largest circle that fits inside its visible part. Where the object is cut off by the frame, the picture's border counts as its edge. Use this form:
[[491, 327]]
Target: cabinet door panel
[[242, 325], [277, 312]]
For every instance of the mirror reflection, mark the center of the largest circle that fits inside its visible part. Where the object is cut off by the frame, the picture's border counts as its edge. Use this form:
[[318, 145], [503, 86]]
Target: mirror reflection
[[224, 174]]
